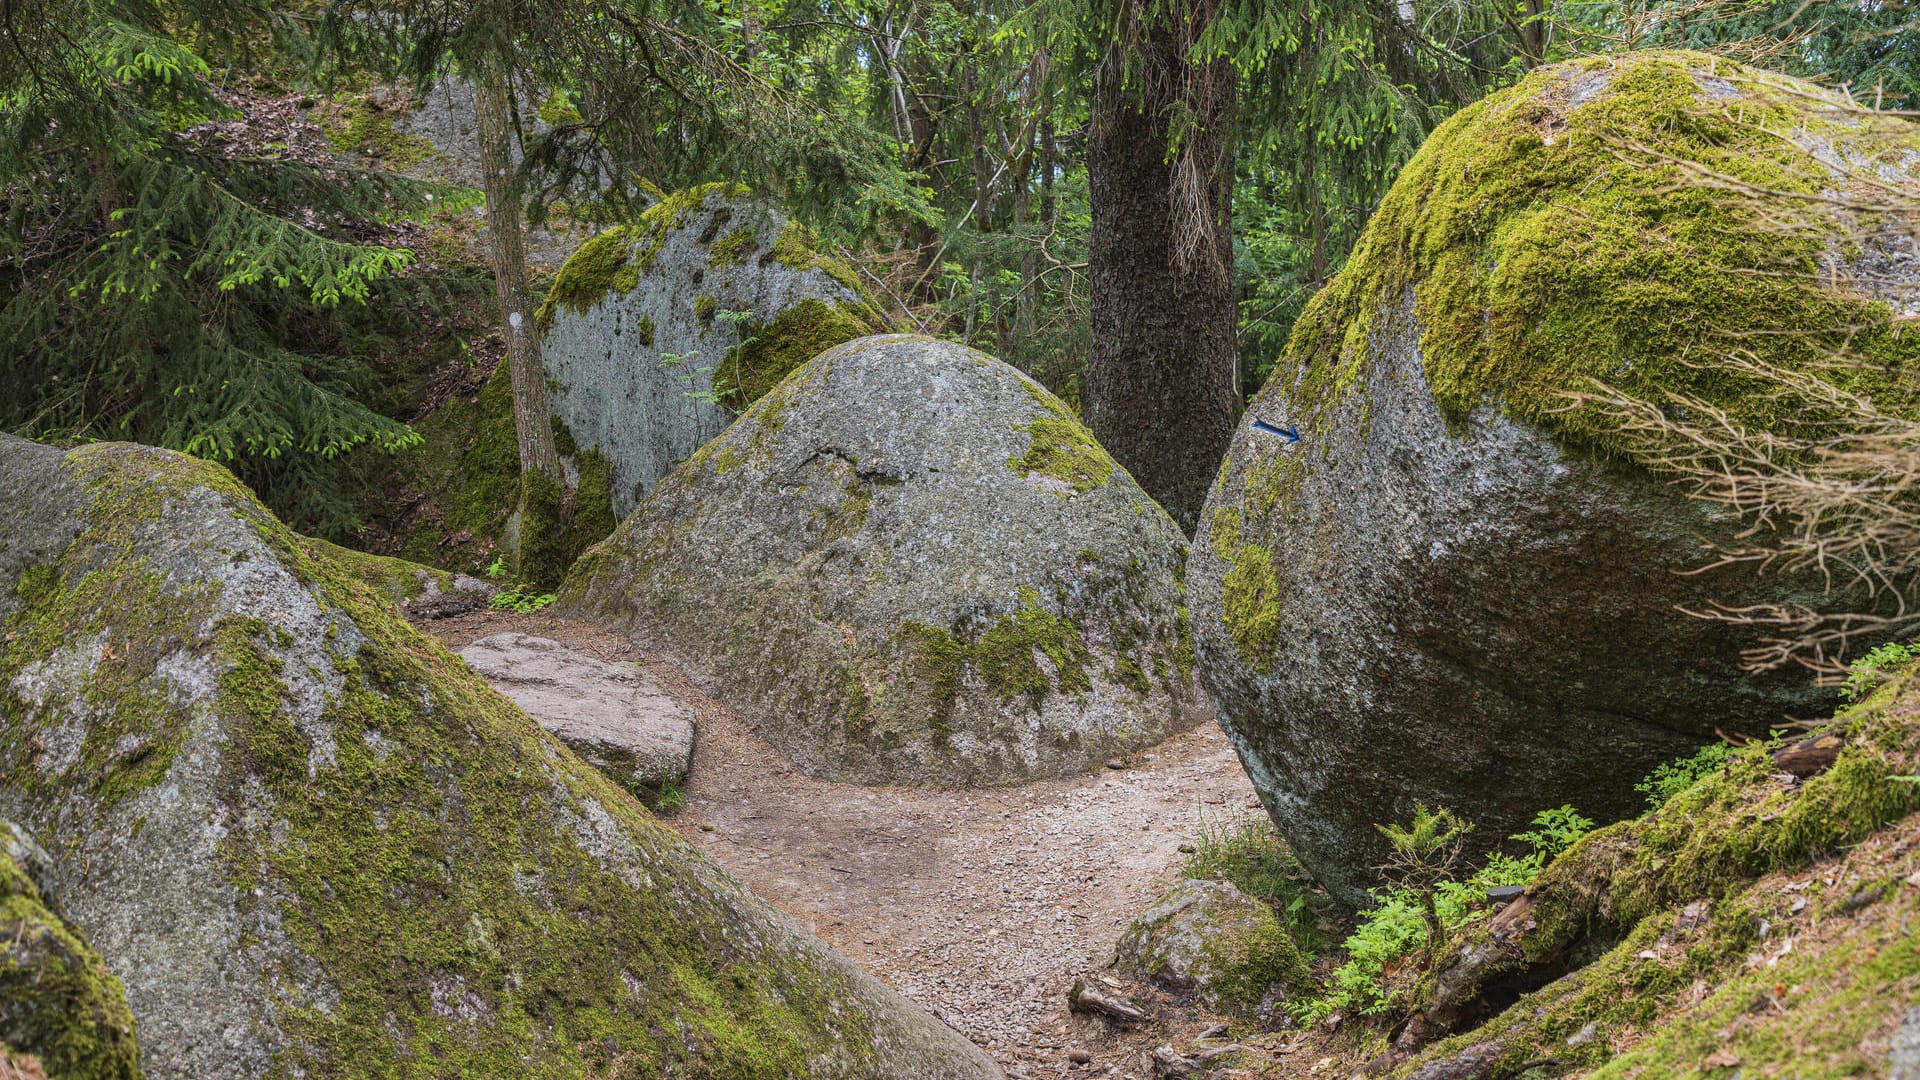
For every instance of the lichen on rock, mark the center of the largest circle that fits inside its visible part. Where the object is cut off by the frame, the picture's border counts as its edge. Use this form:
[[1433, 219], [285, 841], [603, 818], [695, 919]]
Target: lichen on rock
[[863, 567], [310, 841], [1456, 583], [657, 333]]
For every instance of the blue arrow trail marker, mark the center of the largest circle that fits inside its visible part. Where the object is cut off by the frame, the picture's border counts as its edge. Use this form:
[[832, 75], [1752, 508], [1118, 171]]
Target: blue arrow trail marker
[[1289, 433]]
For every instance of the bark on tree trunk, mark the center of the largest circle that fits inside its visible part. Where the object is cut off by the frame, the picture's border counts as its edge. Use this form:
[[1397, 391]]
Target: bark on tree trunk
[[1159, 392], [542, 495]]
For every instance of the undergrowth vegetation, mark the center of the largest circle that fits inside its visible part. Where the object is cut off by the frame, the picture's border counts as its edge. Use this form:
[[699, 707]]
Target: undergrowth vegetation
[[1246, 851], [1391, 934]]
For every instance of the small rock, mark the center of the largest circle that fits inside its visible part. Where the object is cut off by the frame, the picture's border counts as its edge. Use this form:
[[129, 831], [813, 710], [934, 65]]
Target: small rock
[[1079, 1056], [1504, 894], [1116, 763], [1903, 1061], [612, 715], [1583, 1036]]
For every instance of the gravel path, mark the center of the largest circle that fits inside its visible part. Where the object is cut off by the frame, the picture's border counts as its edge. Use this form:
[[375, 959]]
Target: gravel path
[[980, 904]]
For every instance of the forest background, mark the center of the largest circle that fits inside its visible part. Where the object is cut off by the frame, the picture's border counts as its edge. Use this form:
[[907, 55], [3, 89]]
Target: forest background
[[181, 266]]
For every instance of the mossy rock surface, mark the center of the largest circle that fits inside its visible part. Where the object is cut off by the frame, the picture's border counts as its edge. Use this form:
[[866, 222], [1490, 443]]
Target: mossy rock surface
[[58, 1001], [1755, 923], [311, 842], [1210, 940], [1451, 589], [909, 563], [657, 333]]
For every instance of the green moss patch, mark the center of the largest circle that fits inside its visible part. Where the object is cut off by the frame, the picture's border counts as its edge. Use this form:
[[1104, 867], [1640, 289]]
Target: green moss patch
[[1250, 591], [771, 351], [1061, 447], [359, 125], [735, 247], [613, 261], [1548, 244]]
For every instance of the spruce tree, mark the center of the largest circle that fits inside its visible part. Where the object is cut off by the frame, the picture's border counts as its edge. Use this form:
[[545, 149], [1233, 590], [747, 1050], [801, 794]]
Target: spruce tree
[[157, 284]]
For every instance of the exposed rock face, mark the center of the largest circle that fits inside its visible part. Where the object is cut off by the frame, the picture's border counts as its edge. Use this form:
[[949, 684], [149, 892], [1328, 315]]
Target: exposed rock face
[[909, 563], [1209, 939], [657, 334], [58, 1002], [612, 715], [1453, 590], [311, 842]]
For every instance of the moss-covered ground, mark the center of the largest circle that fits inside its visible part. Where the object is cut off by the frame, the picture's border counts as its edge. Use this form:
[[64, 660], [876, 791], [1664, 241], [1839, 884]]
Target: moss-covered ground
[[1752, 922]]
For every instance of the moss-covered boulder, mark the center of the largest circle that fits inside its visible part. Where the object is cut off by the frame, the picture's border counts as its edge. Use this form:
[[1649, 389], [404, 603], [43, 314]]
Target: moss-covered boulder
[[310, 841], [658, 333], [1455, 587], [1210, 940], [909, 563], [58, 1001]]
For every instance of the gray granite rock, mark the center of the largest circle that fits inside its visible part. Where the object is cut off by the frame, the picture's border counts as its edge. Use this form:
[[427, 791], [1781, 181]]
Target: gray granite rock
[[908, 563], [310, 841], [657, 334], [612, 715], [1444, 591], [1903, 1059]]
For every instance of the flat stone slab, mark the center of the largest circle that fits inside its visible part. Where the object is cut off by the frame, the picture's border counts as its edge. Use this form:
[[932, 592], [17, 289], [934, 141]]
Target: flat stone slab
[[612, 715]]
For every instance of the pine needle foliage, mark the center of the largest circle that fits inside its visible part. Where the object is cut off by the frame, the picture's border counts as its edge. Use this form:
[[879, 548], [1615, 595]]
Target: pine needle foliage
[[154, 286]]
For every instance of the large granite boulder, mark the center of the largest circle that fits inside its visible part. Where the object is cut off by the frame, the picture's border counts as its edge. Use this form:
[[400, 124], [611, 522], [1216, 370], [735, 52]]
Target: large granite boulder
[[1456, 588], [909, 563], [1214, 942], [615, 717], [60, 1007], [658, 333], [310, 841]]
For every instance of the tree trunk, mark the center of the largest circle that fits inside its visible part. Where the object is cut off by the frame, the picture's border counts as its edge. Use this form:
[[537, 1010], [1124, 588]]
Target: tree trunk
[[1159, 392], [540, 556]]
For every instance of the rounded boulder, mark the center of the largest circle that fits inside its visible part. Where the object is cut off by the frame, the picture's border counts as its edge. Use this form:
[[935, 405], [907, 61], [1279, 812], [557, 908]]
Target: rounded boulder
[[909, 563], [1429, 571]]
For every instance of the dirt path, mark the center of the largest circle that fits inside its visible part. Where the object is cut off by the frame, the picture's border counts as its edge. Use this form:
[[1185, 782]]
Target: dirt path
[[982, 905]]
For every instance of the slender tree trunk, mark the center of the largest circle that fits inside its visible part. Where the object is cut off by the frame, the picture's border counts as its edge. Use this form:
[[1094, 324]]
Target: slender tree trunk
[[1047, 216], [542, 495], [1159, 392]]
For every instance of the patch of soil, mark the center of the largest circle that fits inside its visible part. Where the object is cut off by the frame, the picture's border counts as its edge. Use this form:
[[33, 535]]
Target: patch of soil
[[981, 904]]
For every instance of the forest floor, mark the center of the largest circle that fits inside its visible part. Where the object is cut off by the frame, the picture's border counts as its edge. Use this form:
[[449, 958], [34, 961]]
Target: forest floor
[[982, 905]]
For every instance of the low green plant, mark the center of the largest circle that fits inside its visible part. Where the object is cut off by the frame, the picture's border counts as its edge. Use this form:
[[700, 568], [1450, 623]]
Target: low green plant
[[497, 569], [520, 599], [669, 799], [1673, 777], [680, 367], [1404, 919], [1246, 850], [1868, 672]]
